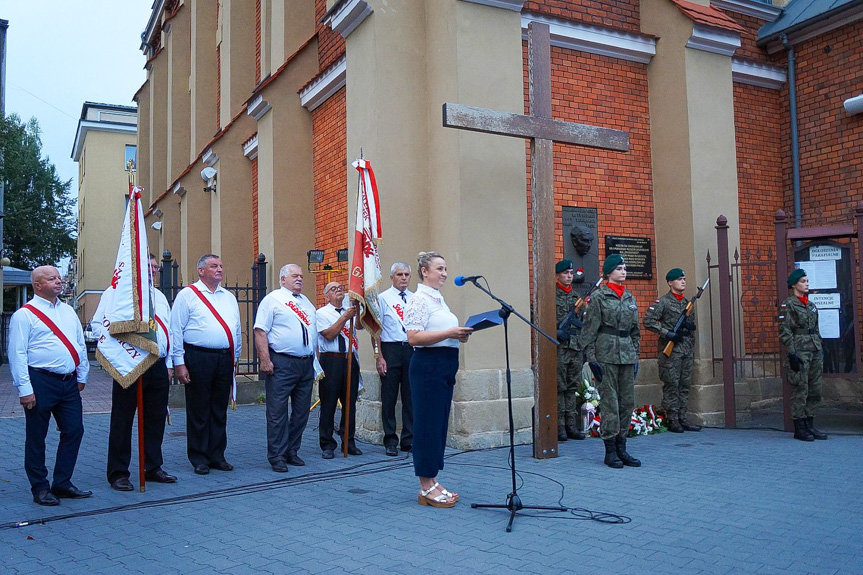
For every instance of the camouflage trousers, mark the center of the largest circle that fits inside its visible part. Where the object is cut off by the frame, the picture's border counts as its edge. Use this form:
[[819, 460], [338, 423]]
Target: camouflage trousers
[[568, 381], [676, 375], [616, 399], [806, 384]]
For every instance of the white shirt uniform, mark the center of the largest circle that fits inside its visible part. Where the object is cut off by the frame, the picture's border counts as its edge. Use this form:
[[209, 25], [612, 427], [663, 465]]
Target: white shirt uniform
[[327, 316], [192, 321], [427, 311], [162, 312], [33, 344], [289, 322], [393, 309]]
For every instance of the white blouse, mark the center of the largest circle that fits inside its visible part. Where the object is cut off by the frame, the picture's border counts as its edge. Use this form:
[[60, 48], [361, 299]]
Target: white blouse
[[427, 311]]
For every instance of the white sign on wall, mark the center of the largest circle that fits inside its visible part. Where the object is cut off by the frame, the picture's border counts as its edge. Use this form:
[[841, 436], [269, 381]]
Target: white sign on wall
[[828, 323], [821, 274], [825, 253], [826, 300]]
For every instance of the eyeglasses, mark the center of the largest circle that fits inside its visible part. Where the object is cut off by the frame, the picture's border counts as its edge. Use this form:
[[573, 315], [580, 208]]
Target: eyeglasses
[[336, 288]]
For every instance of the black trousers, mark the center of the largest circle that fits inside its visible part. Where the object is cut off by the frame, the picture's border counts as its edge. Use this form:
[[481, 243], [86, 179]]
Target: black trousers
[[398, 358], [124, 403], [292, 379], [331, 389], [433, 371], [211, 376], [60, 398]]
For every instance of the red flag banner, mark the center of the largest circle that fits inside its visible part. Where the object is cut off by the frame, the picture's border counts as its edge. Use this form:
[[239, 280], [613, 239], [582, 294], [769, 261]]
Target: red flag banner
[[366, 264]]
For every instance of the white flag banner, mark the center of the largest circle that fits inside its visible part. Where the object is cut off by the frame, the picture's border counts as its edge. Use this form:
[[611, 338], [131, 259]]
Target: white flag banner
[[124, 321], [366, 264]]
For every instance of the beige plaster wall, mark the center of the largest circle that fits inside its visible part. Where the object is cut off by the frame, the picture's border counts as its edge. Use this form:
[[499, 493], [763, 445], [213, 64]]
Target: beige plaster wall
[[177, 44], [237, 56], [202, 76], [459, 193], [157, 153]]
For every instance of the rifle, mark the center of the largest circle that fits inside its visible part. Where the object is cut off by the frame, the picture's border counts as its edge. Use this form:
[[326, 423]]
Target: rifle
[[579, 303], [687, 311]]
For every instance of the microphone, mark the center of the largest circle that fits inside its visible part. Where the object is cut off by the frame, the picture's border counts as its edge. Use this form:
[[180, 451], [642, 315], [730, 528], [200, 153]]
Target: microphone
[[461, 280]]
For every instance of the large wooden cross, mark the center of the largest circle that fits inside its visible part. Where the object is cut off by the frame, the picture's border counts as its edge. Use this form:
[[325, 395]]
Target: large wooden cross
[[543, 131]]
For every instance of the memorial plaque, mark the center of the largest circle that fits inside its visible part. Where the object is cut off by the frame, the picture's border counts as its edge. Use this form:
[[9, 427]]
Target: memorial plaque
[[636, 254], [580, 243]]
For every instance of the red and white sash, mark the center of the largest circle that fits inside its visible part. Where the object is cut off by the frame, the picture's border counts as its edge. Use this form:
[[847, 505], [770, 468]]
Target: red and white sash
[[53, 327], [218, 318]]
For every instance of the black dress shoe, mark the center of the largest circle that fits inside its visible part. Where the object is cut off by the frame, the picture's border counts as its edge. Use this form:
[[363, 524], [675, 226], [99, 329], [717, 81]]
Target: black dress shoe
[[392, 451], [222, 466], [122, 484], [406, 448], [202, 469], [354, 450], [71, 492], [45, 497], [279, 466], [294, 459], [159, 476], [328, 454]]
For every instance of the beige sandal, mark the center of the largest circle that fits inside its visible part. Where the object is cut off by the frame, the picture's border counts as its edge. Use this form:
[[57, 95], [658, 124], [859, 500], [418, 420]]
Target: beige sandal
[[424, 498]]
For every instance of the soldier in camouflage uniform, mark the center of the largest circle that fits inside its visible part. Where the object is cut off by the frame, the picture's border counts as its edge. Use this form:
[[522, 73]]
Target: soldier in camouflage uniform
[[798, 332], [610, 339], [569, 358], [675, 371]]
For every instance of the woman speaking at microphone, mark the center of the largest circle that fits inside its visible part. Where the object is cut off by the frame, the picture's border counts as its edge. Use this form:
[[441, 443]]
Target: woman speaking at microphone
[[435, 334]]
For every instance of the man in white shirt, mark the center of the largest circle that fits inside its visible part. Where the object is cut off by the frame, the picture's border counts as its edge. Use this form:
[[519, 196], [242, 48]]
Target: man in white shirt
[[206, 340], [285, 337], [124, 402], [48, 361], [333, 347], [393, 359]]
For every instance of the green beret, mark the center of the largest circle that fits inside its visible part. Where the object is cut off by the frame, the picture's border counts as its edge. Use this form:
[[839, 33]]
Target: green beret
[[674, 273], [795, 276], [562, 266], [612, 262]]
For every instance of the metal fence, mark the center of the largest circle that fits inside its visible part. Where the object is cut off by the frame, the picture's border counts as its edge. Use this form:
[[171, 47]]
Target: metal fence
[[248, 296]]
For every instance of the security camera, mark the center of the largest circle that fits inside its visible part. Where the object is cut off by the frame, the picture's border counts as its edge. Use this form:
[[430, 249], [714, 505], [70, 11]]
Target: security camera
[[208, 173]]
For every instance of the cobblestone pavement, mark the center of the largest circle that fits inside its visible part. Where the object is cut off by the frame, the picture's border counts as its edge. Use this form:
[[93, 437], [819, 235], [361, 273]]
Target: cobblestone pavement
[[719, 501]]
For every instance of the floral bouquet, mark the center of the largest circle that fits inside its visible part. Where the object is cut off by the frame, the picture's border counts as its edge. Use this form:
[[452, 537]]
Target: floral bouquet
[[645, 421], [589, 395]]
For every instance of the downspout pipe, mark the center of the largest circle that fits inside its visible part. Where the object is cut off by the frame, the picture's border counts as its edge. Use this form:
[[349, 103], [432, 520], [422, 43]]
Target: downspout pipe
[[795, 144]]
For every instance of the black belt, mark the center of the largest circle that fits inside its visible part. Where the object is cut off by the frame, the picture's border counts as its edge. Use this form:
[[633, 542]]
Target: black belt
[[396, 343], [63, 376], [807, 331], [334, 354], [274, 352], [617, 332], [205, 349]]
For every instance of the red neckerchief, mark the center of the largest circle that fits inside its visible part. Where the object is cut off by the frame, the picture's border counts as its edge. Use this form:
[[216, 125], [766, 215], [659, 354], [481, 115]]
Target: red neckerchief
[[617, 288], [678, 297], [804, 299], [566, 289]]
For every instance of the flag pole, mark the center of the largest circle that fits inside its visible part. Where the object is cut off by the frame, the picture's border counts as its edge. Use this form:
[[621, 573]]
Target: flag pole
[[142, 482], [347, 405]]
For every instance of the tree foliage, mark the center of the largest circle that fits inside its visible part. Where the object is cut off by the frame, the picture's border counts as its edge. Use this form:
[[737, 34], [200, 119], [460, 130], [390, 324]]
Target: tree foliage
[[40, 227]]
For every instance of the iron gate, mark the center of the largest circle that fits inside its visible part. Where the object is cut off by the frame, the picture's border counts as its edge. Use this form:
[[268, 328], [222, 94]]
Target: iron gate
[[248, 299]]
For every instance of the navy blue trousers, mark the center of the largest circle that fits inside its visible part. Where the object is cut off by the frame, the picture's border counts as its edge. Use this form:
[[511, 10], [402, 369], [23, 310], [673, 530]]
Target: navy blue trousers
[[432, 375], [208, 392], [60, 398]]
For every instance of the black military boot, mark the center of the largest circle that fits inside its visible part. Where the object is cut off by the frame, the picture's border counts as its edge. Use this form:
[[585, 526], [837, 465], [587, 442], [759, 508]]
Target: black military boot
[[573, 433], [815, 433], [611, 457], [626, 458], [684, 423], [674, 424], [561, 433], [801, 432]]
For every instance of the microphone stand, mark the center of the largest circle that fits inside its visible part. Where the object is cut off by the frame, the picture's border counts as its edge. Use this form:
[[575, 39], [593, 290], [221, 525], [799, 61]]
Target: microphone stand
[[513, 501]]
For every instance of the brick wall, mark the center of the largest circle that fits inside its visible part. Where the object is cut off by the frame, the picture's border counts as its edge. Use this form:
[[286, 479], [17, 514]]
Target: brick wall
[[748, 49], [829, 71], [620, 14], [759, 115], [329, 141], [612, 93], [331, 45], [255, 245]]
